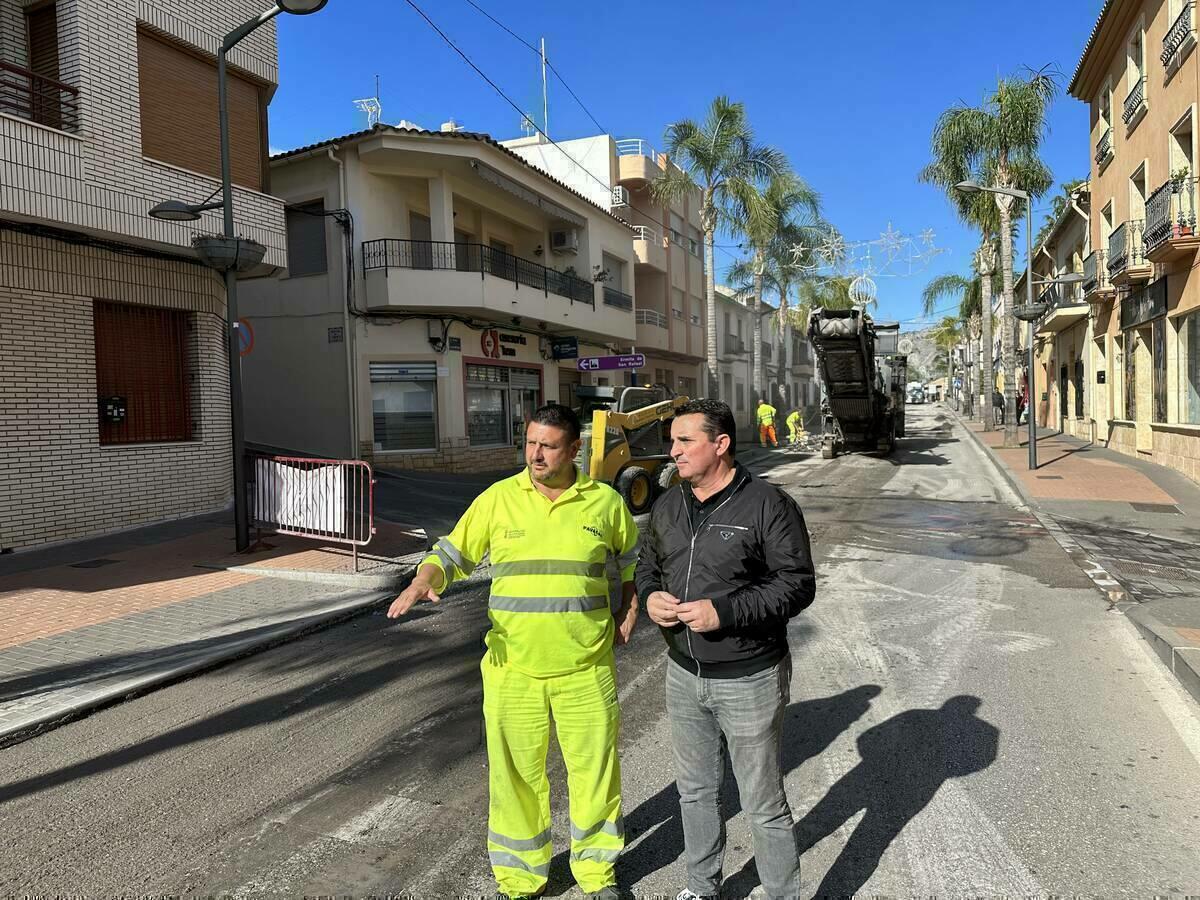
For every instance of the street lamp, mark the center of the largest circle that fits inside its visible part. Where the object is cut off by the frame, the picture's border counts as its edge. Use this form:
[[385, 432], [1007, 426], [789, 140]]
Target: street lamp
[[230, 254], [970, 187], [1030, 313]]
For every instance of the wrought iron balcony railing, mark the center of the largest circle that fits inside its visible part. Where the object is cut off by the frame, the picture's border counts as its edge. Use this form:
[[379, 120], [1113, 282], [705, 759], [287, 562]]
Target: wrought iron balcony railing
[[734, 344], [1170, 213], [1095, 272], [613, 297], [1104, 147], [455, 257], [1135, 100], [1178, 33], [1125, 247], [28, 95]]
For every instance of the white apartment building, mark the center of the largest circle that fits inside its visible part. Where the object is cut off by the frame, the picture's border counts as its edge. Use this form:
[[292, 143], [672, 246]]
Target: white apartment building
[[113, 369], [430, 276], [668, 265]]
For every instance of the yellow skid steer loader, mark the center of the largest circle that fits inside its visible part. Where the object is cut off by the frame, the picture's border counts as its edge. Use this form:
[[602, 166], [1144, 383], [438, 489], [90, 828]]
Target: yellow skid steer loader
[[627, 439]]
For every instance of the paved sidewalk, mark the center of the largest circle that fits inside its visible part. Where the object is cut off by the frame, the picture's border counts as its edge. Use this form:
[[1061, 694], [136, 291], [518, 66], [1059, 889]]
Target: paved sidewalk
[[1131, 525], [95, 621]]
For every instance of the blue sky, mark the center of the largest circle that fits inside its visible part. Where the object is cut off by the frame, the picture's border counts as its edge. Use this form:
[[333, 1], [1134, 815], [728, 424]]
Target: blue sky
[[850, 91]]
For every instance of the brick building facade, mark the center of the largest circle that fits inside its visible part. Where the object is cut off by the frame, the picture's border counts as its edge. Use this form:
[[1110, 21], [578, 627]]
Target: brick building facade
[[78, 248]]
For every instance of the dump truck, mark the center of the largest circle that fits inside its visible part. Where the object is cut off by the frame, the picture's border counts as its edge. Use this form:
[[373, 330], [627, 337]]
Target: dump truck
[[863, 377], [627, 440]]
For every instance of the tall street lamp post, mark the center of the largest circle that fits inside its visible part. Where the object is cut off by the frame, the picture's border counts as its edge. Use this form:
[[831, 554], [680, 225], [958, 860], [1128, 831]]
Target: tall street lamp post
[[1031, 311], [230, 254]]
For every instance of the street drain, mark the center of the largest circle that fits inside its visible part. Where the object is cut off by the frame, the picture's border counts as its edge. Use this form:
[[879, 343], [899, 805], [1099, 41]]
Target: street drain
[[94, 563], [1169, 509], [1150, 570], [1049, 477]]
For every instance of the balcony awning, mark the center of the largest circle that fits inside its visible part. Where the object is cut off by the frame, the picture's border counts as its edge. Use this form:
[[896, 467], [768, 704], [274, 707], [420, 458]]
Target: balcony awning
[[1061, 318], [533, 198]]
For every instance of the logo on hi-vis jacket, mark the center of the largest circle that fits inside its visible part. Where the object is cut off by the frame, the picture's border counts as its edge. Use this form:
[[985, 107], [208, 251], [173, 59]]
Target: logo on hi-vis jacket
[[512, 534], [594, 531]]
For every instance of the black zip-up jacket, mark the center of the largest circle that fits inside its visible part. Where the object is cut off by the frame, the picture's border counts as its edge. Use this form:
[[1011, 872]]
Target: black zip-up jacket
[[750, 555]]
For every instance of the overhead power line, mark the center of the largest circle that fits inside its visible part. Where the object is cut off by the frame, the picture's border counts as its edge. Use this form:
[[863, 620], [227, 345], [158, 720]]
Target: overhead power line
[[540, 130]]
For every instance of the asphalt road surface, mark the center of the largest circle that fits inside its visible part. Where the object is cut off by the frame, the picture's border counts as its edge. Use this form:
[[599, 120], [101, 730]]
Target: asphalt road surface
[[967, 718]]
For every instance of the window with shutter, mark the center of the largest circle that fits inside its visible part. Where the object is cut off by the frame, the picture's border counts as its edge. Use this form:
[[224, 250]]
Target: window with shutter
[[306, 239], [41, 30], [178, 101], [141, 354]]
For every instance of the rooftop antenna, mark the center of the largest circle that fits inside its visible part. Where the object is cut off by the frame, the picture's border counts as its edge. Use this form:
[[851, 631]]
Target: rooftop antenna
[[528, 127], [372, 106], [545, 98]]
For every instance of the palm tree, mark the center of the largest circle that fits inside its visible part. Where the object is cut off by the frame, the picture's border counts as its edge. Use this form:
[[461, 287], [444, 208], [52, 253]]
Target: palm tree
[[946, 335], [769, 216], [969, 291], [719, 159], [998, 143]]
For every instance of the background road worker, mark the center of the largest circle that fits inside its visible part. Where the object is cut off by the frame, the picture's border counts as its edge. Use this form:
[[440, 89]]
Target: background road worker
[[766, 423], [549, 532], [795, 424]]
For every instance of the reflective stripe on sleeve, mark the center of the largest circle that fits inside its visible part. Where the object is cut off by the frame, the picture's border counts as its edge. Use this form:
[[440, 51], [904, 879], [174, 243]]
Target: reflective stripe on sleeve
[[446, 550], [547, 604], [534, 843], [548, 567], [501, 858], [625, 560]]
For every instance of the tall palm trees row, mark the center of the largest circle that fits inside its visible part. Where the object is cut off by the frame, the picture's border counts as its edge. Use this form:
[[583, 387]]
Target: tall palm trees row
[[995, 145], [750, 191]]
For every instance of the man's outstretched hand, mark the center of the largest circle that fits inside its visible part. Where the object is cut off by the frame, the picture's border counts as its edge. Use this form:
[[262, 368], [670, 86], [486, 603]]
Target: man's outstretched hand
[[420, 590]]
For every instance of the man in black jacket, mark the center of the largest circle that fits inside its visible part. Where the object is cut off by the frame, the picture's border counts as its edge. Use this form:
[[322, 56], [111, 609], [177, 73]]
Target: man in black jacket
[[725, 564]]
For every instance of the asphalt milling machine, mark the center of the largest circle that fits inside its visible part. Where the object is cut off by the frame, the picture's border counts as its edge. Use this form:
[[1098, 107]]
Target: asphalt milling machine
[[864, 377], [627, 440]]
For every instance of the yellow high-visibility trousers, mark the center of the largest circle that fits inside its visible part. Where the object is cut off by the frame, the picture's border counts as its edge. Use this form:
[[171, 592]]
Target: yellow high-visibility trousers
[[517, 709]]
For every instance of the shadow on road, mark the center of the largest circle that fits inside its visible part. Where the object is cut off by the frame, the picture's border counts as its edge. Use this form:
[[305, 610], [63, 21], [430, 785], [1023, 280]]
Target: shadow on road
[[810, 726], [905, 761]]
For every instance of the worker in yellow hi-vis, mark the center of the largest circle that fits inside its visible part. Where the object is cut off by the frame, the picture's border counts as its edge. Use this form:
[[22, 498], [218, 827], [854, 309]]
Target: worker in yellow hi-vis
[[766, 423], [795, 424], [549, 532]]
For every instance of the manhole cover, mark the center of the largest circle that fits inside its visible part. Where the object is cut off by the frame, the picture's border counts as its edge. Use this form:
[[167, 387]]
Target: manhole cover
[[1144, 570], [93, 563], [1049, 477], [1169, 509]]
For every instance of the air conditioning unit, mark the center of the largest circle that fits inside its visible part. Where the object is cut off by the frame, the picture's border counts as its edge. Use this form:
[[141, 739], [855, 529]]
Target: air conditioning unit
[[564, 241], [620, 196]]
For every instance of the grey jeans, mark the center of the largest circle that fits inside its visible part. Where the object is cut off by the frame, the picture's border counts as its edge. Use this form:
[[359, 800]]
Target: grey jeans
[[748, 711]]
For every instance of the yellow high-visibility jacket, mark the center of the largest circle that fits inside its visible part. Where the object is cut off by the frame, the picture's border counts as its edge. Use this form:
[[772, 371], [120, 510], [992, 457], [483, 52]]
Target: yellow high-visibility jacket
[[766, 414], [794, 422], [549, 603]]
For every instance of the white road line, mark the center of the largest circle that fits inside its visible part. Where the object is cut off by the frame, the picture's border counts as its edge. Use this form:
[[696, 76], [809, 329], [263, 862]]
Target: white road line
[[1179, 708]]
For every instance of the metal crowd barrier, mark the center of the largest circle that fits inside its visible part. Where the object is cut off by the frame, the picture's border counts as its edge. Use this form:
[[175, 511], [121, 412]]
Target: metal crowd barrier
[[331, 500]]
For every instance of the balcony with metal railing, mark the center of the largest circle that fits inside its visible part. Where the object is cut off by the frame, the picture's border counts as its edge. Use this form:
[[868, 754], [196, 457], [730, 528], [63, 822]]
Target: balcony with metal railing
[[483, 282], [1126, 262], [613, 297], [28, 95], [1179, 39], [650, 317], [1135, 103], [649, 249], [1104, 149], [1095, 284], [653, 330], [734, 344], [637, 161], [1171, 221], [1065, 307]]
